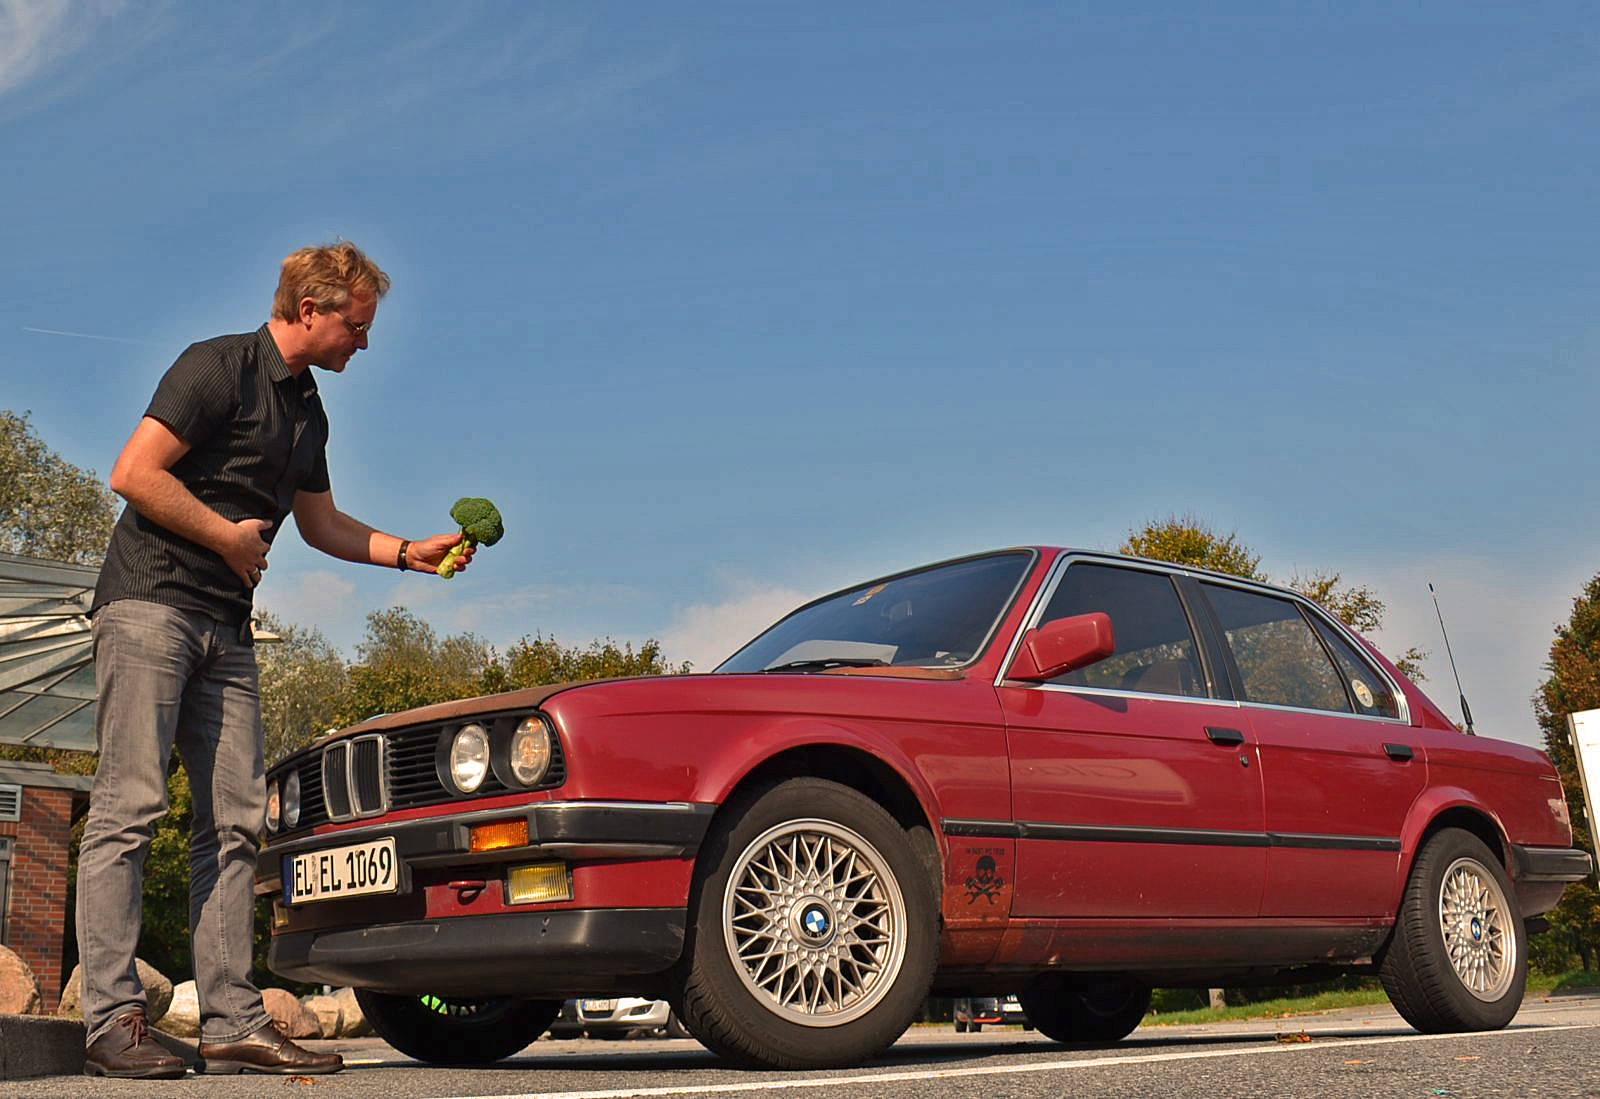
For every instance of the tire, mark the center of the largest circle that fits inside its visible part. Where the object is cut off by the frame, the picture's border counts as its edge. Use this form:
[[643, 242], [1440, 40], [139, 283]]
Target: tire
[[447, 1031], [1077, 1008], [1458, 957], [812, 933], [961, 1026]]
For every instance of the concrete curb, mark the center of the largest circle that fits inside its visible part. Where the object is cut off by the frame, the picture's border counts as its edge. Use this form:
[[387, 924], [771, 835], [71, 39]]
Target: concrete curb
[[40, 1045], [52, 1045]]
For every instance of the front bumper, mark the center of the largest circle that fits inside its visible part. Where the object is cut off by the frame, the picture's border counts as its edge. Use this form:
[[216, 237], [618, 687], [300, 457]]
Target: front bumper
[[534, 955], [450, 930], [570, 830]]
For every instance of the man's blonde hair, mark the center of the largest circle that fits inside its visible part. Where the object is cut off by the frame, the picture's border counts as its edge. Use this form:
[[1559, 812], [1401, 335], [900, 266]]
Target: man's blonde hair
[[330, 275]]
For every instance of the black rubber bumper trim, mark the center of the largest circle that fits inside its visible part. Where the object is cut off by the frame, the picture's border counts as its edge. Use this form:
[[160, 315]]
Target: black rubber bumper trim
[[526, 954], [1531, 864]]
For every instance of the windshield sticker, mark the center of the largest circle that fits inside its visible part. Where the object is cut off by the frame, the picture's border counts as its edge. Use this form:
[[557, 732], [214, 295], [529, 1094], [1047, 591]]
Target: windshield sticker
[[870, 592], [1363, 692]]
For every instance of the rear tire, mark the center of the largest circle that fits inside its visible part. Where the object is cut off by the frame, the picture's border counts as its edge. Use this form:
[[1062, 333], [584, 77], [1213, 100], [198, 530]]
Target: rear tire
[[447, 1031], [1085, 1007], [1458, 957], [812, 931]]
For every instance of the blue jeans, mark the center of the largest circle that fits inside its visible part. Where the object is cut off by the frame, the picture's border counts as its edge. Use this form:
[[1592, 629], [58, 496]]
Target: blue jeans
[[170, 677]]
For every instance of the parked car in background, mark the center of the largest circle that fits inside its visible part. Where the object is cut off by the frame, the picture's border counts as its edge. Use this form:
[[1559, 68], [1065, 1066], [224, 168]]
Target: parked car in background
[[617, 1017], [1012, 1013], [972, 1013], [1063, 775]]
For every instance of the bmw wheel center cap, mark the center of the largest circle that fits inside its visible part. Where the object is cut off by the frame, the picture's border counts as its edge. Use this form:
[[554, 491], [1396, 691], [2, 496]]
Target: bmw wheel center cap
[[815, 922]]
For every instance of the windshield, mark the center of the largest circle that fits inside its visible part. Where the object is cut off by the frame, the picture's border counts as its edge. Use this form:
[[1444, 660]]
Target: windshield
[[937, 617]]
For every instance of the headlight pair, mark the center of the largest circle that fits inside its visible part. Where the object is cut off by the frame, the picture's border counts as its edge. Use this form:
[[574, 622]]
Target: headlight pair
[[519, 759], [283, 802]]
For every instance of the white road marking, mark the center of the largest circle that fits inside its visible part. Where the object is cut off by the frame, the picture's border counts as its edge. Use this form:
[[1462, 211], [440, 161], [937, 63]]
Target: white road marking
[[878, 1078]]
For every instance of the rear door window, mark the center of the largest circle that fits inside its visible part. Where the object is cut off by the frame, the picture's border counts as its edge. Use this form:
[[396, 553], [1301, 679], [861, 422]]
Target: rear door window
[[1280, 659], [1369, 691]]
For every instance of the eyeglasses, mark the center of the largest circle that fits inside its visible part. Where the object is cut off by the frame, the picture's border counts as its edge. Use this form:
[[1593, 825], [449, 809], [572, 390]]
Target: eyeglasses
[[355, 329]]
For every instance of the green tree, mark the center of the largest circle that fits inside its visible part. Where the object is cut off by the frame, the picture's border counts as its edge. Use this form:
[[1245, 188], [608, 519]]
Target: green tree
[[1573, 686], [531, 663], [303, 685], [49, 508], [403, 664], [1186, 540]]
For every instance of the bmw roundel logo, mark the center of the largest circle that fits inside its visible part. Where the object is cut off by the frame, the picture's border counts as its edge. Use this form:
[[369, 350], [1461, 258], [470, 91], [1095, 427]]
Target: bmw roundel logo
[[815, 921]]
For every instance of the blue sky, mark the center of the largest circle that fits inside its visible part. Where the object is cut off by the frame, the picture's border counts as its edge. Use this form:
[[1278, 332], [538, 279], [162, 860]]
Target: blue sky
[[727, 305]]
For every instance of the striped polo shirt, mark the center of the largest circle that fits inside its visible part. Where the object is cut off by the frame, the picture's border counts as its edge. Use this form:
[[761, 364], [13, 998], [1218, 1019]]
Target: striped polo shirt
[[257, 435]]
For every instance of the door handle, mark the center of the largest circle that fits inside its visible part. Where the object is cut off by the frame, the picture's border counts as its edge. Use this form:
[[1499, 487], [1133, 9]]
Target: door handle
[[1400, 752], [1218, 734]]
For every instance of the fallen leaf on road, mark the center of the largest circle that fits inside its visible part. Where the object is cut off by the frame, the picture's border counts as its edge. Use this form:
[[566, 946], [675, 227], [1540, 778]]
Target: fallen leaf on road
[[1302, 1036], [1466, 1058]]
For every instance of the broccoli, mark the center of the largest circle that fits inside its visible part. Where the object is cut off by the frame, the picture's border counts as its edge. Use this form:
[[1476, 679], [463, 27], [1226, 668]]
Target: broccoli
[[480, 522]]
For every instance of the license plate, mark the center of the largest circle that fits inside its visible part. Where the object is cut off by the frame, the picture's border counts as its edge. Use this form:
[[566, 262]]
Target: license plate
[[354, 871], [600, 1007]]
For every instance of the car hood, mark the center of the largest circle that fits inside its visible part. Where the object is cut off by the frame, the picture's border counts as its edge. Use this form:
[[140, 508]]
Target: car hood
[[526, 698]]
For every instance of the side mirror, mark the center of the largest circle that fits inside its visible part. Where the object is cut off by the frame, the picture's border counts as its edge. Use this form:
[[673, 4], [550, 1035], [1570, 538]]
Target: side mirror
[[1058, 647]]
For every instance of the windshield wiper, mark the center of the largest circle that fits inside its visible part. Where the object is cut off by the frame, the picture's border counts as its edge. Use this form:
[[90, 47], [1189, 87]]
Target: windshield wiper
[[822, 664]]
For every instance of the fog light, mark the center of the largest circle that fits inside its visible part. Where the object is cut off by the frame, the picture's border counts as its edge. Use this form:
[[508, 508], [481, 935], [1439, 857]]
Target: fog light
[[493, 837], [546, 881]]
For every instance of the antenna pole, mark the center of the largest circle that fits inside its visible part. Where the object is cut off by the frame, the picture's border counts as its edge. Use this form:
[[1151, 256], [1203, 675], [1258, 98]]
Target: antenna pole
[[1466, 713]]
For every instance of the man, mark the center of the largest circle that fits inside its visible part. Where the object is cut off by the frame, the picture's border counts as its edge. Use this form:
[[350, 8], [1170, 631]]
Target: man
[[232, 442]]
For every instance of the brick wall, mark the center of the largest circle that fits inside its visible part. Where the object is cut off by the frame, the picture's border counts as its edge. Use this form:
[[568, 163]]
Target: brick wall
[[37, 915]]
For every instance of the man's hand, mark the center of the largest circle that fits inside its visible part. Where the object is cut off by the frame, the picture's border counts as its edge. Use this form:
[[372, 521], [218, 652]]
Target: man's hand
[[246, 550], [425, 556]]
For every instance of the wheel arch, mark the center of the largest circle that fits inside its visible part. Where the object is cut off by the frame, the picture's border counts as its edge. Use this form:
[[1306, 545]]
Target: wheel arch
[[863, 772], [1452, 808]]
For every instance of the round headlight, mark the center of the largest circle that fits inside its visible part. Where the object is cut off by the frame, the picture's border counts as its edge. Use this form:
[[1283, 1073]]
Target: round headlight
[[469, 758], [274, 806], [530, 751], [291, 800]]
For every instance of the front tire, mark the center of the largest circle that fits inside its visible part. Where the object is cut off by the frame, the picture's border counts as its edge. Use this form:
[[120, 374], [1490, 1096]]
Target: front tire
[[447, 1031], [813, 937], [1085, 1007], [1458, 957]]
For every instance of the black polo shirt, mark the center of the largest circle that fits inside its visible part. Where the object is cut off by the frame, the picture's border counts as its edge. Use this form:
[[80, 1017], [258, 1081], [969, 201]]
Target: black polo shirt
[[257, 435]]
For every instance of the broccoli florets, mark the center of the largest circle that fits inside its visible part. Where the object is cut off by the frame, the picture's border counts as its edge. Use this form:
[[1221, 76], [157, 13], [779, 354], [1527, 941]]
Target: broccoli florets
[[480, 523]]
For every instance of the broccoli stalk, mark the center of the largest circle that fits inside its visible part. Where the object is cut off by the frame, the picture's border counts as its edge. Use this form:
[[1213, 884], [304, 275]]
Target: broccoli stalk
[[480, 522]]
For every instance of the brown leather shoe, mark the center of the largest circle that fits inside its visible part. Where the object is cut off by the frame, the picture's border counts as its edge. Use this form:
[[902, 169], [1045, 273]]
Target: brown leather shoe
[[268, 1051], [129, 1051]]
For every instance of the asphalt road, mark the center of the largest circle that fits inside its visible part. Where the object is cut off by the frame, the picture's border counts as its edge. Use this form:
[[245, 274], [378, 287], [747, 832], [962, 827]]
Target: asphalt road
[[1551, 1049]]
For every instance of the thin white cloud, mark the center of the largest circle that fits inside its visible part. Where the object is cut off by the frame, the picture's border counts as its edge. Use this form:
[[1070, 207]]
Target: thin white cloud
[[35, 34], [706, 634], [82, 335], [321, 598]]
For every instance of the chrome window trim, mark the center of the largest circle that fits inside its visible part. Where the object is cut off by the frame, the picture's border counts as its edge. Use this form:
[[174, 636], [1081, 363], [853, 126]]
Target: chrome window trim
[[1115, 692], [1060, 565]]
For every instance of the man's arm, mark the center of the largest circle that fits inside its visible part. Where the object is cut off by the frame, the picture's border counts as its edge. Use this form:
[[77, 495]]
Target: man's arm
[[143, 476], [330, 530]]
